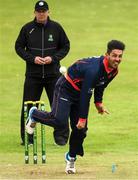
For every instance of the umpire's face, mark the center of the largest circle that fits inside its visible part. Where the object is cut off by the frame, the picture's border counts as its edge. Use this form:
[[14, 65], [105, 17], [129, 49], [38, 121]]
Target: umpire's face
[[41, 16], [114, 58]]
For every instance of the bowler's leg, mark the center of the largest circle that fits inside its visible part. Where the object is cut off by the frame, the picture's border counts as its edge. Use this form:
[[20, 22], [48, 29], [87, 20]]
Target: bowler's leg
[[76, 141], [57, 118], [77, 135]]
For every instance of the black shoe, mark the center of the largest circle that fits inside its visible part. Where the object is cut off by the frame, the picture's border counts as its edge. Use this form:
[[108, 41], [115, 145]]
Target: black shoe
[[61, 136]]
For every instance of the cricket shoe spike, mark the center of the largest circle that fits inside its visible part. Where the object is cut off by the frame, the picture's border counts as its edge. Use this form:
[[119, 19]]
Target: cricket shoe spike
[[70, 164], [30, 123]]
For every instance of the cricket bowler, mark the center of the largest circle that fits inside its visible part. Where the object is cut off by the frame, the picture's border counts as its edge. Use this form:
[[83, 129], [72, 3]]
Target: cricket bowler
[[73, 91]]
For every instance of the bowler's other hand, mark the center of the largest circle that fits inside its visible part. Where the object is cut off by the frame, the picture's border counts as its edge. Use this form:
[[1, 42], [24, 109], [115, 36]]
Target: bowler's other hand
[[81, 123], [101, 109]]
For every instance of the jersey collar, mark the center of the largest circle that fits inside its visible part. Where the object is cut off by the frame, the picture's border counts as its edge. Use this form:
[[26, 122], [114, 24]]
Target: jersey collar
[[105, 62]]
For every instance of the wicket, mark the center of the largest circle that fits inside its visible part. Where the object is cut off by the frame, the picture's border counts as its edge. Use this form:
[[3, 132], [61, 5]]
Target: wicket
[[41, 106]]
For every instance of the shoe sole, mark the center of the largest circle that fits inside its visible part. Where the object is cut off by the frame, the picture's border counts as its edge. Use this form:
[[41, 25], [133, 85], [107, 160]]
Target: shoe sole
[[70, 172], [29, 129]]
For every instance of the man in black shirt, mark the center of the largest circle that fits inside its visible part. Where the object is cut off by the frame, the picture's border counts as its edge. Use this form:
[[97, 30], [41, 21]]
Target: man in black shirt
[[41, 43]]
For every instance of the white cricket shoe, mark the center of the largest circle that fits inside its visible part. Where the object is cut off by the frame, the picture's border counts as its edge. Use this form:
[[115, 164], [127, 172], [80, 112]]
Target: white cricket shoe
[[70, 164], [30, 123]]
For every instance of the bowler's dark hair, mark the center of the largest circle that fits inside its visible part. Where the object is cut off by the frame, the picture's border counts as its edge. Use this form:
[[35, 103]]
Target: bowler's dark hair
[[115, 44]]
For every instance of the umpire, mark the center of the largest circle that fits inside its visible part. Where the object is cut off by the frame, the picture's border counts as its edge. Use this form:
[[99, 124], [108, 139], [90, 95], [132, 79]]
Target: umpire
[[41, 43]]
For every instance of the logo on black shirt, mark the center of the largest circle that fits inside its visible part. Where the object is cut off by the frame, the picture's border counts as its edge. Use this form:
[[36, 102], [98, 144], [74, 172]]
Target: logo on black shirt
[[50, 38]]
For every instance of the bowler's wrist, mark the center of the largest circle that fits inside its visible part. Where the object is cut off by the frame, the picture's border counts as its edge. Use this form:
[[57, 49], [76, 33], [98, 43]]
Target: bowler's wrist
[[82, 120], [98, 103]]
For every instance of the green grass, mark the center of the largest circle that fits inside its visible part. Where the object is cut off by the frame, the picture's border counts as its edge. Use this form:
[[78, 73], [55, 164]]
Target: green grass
[[90, 24]]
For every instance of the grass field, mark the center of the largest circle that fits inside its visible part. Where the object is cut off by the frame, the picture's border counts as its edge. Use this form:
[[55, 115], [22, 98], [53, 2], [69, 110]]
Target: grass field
[[111, 139]]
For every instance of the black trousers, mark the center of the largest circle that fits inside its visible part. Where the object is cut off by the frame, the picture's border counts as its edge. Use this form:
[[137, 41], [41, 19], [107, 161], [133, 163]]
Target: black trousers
[[65, 105], [33, 88]]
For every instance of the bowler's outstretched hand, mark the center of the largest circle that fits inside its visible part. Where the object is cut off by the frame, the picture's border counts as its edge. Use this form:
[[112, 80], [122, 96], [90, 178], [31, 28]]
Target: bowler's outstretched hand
[[101, 109]]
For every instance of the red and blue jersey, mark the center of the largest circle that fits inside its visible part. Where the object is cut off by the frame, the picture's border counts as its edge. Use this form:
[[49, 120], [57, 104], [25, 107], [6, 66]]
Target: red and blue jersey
[[90, 75]]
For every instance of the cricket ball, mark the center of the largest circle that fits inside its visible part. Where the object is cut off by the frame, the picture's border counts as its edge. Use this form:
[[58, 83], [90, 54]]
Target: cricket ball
[[63, 70]]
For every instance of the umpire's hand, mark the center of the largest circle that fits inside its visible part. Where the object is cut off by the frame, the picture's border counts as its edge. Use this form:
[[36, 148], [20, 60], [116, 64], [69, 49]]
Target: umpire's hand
[[39, 60]]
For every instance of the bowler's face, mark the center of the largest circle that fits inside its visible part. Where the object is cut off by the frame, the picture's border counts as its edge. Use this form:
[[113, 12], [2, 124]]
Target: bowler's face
[[114, 58], [41, 16]]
